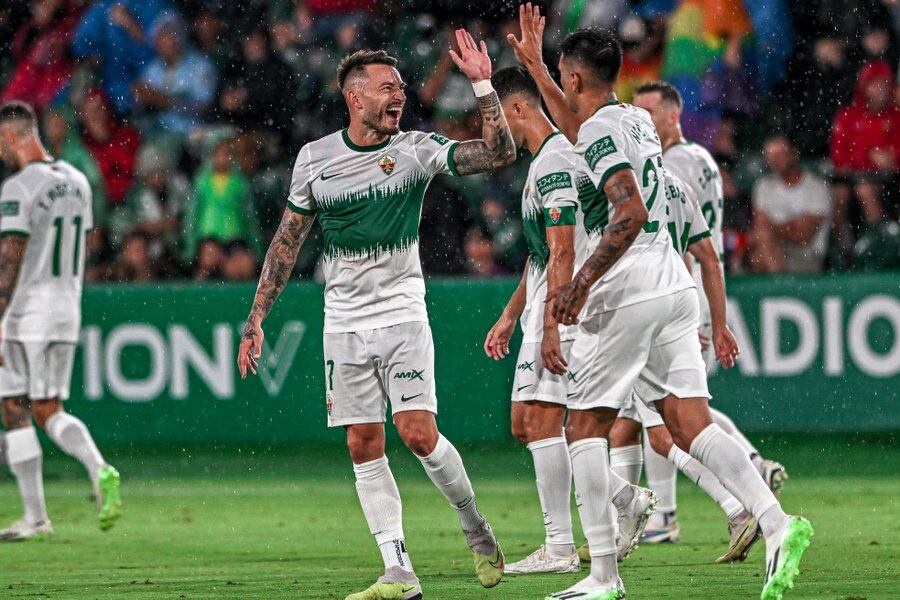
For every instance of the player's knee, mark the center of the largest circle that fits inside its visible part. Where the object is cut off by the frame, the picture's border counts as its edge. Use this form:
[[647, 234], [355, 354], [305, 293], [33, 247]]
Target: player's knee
[[519, 432], [364, 447], [43, 410], [660, 440], [16, 413], [625, 432], [539, 425], [421, 440]]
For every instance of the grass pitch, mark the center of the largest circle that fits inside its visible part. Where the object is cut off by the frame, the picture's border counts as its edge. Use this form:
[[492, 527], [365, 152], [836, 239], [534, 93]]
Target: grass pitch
[[285, 523]]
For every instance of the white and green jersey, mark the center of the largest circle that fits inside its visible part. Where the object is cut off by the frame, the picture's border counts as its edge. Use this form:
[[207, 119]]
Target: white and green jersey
[[697, 169], [50, 204], [616, 137], [686, 223], [695, 166], [549, 199], [369, 200]]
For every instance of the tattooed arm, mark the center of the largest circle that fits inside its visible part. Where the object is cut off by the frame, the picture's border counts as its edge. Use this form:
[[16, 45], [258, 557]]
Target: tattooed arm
[[12, 249], [277, 267], [496, 147], [630, 215]]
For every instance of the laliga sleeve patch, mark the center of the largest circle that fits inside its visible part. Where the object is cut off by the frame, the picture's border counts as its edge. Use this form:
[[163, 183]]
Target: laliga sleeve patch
[[602, 147], [556, 216], [9, 208], [553, 181], [439, 138]]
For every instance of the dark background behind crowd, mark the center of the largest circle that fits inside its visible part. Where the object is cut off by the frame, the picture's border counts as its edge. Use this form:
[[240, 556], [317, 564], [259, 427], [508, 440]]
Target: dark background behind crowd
[[186, 116]]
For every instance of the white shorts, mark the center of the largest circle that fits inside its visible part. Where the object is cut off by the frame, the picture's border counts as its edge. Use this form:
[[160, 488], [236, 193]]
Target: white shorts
[[38, 370], [364, 370], [533, 381], [650, 348], [645, 414]]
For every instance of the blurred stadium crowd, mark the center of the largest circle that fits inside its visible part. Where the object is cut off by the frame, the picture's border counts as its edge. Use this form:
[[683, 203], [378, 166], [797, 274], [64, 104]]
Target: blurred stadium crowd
[[186, 116]]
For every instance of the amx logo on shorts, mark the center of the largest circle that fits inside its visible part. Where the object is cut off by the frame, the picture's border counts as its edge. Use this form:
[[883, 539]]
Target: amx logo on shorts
[[526, 366], [410, 375]]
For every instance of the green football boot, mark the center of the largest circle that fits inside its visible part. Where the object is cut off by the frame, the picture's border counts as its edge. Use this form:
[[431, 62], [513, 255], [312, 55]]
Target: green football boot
[[487, 555], [783, 559], [108, 482], [395, 584]]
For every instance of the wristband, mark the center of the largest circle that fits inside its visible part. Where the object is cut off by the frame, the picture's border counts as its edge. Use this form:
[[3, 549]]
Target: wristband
[[482, 88]]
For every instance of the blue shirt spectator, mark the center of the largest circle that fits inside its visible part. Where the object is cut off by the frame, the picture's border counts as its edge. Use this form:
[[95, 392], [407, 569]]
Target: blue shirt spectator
[[179, 83], [115, 32]]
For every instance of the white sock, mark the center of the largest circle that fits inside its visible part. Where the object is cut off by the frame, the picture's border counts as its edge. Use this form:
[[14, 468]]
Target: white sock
[[553, 475], [728, 426], [661, 478], [626, 462], [590, 469], [704, 478], [445, 468], [73, 437], [26, 459], [380, 501], [393, 553], [730, 464], [620, 490]]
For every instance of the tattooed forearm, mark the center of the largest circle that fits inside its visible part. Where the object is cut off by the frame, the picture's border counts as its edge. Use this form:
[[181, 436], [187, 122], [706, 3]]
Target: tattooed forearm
[[278, 264], [496, 147], [630, 215], [12, 249]]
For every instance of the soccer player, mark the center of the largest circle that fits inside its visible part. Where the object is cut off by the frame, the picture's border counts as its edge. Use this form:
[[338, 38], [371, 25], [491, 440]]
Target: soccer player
[[366, 183], [640, 311], [549, 218], [698, 171], [45, 212], [690, 235]]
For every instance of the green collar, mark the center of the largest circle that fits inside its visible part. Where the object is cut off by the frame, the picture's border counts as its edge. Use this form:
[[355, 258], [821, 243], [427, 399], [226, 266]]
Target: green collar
[[612, 102], [546, 139], [357, 148]]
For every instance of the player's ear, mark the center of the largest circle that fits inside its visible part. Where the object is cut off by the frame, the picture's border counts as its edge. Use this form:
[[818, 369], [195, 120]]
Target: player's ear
[[519, 109], [353, 99], [575, 80]]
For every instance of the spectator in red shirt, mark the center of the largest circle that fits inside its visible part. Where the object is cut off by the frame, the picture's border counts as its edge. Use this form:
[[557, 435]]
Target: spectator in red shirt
[[113, 145], [40, 48], [865, 144]]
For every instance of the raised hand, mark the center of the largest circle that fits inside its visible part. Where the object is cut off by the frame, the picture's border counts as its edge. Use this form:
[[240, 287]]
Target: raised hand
[[472, 60], [529, 50]]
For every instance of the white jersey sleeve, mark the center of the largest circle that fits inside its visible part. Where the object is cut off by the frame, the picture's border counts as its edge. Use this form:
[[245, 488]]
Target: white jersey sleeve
[[15, 209], [434, 152], [300, 198], [606, 155], [554, 183]]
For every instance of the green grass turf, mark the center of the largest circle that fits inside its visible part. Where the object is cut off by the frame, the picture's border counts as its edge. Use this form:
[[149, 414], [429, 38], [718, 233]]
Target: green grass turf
[[284, 523]]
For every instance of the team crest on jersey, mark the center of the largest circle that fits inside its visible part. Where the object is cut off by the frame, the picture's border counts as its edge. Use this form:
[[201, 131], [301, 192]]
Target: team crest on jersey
[[329, 402], [555, 214], [387, 164]]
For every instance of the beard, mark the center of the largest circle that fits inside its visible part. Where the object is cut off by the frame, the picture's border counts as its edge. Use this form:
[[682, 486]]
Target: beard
[[376, 124]]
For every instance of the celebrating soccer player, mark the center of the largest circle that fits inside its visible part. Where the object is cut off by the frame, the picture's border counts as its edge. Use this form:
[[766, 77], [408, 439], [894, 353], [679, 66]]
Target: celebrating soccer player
[[638, 328], [46, 212], [366, 183], [549, 214]]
